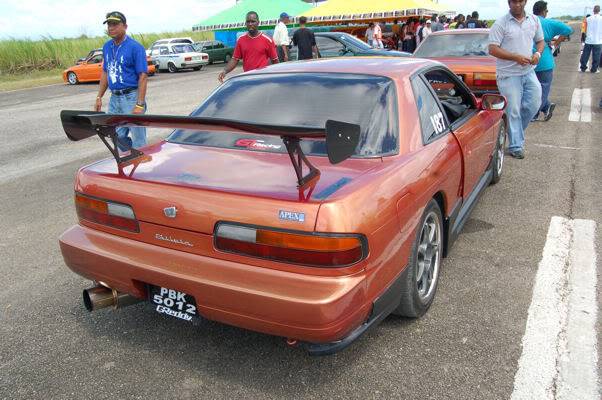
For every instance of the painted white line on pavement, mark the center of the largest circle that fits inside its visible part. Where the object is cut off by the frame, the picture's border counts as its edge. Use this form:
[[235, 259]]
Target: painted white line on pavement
[[578, 372], [557, 335], [581, 104], [551, 146]]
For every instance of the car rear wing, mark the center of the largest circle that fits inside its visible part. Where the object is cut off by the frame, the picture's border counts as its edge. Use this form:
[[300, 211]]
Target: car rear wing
[[341, 138]]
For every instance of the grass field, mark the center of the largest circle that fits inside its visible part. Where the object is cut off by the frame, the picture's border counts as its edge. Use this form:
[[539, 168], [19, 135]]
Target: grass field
[[26, 63]]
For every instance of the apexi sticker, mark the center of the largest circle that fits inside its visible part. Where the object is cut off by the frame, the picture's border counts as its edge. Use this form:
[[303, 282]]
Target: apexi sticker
[[257, 144], [292, 216]]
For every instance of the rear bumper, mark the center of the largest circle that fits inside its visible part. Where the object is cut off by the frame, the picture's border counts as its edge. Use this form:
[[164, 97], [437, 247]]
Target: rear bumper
[[192, 64], [309, 308]]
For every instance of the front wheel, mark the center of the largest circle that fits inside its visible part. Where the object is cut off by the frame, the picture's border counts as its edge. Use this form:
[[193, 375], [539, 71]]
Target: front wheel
[[72, 78], [197, 68], [422, 273], [498, 155], [171, 67]]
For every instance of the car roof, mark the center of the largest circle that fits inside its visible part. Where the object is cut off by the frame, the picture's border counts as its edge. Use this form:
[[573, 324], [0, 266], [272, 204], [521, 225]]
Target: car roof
[[461, 31], [391, 67]]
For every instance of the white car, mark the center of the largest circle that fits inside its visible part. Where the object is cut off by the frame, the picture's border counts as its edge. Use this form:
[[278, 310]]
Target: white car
[[174, 57], [168, 41]]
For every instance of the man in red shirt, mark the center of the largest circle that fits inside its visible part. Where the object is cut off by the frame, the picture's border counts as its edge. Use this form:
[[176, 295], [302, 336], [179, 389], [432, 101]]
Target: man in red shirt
[[254, 49]]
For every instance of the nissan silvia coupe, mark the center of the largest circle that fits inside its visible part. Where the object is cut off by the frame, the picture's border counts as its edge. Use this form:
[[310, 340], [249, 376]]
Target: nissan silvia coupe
[[305, 200], [466, 52]]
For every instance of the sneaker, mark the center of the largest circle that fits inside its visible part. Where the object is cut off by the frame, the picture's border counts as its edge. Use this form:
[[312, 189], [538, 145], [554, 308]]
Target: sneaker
[[548, 114], [535, 118], [519, 154], [596, 71]]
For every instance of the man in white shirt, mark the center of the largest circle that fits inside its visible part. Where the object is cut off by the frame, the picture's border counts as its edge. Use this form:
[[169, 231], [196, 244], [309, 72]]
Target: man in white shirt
[[370, 34], [593, 42], [427, 30], [378, 36], [281, 38]]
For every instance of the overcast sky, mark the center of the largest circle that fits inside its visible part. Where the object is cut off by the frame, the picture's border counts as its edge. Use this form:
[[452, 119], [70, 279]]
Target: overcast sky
[[69, 18]]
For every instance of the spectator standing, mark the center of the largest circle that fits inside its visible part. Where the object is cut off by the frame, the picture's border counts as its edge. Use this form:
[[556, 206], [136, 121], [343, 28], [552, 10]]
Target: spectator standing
[[378, 36], [437, 25], [584, 30], [370, 34], [444, 21], [419, 33], [545, 67], [407, 32], [305, 40], [593, 42], [124, 73], [461, 22], [427, 30], [281, 38], [254, 49], [454, 23], [396, 29], [473, 21], [511, 41]]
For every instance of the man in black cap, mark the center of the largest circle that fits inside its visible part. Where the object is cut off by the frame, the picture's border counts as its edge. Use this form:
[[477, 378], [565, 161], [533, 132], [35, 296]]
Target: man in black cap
[[124, 72]]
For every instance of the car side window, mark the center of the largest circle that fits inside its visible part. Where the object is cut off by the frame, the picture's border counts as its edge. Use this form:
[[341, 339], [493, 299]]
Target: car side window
[[432, 121], [455, 99], [219, 45], [163, 51], [329, 47], [96, 59]]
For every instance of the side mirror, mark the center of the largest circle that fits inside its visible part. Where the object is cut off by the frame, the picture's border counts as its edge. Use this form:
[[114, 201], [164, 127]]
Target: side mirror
[[493, 102]]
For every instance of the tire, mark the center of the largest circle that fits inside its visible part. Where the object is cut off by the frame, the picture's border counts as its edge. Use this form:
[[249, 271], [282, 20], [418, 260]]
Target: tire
[[497, 162], [72, 78], [197, 68], [227, 58], [421, 278], [171, 67]]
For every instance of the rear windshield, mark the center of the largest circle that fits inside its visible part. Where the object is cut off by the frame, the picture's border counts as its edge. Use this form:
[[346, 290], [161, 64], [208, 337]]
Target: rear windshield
[[458, 45], [183, 48], [301, 100]]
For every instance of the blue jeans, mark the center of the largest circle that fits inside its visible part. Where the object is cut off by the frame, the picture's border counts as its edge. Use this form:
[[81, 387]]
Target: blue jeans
[[124, 104], [594, 50], [545, 79], [523, 94]]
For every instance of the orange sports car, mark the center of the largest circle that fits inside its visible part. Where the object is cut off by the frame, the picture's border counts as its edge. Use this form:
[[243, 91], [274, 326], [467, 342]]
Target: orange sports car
[[464, 51], [90, 69], [310, 216]]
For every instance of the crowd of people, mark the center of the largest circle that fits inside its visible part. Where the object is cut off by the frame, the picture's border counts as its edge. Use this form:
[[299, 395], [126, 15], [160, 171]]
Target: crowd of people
[[521, 42]]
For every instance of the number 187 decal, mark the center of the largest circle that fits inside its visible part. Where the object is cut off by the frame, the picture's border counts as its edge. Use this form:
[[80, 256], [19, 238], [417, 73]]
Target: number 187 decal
[[438, 122]]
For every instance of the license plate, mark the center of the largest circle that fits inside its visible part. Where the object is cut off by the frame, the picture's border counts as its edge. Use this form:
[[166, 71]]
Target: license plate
[[173, 303]]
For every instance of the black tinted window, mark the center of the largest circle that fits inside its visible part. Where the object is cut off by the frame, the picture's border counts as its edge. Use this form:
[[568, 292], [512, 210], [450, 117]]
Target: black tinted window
[[329, 47], [432, 122], [454, 45], [304, 100]]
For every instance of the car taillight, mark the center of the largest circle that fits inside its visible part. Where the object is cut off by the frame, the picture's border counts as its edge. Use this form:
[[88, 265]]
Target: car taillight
[[188, 59], [205, 57], [484, 79], [120, 216], [310, 249]]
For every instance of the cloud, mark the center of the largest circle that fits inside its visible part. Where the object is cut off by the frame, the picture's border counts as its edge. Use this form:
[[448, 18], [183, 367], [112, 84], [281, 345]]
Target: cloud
[[69, 18]]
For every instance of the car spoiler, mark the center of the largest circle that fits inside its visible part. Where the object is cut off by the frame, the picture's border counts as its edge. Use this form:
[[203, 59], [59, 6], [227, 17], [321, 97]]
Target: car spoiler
[[341, 138]]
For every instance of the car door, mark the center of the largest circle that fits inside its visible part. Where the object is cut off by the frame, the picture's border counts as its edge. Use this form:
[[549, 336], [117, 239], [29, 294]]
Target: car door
[[473, 128], [92, 69], [329, 47], [163, 57]]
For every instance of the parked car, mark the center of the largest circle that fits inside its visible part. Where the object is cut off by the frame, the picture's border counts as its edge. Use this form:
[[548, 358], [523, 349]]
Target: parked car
[[91, 54], [466, 52], [174, 57], [216, 50], [186, 40], [340, 44], [305, 200], [90, 69]]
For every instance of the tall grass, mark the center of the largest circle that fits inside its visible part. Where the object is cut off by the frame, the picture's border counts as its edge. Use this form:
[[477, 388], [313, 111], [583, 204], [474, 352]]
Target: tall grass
[[18, 56]]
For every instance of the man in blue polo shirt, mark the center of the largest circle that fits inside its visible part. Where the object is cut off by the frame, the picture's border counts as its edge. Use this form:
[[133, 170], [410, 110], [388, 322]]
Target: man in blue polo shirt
[[545, 67], [124, 72]]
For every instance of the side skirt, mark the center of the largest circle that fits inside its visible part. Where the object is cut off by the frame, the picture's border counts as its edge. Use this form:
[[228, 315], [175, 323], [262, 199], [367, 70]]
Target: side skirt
[[381, 308], [461, 212]]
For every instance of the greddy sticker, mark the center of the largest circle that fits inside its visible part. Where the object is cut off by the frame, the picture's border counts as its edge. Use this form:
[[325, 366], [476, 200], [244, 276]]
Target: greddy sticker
[[291, 216], [174, 303]]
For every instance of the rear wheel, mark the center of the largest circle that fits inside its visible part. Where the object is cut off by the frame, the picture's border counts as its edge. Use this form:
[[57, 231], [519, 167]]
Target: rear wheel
[[72, 78], [197, 68], [422, 276], [171, 67], [498, 155]]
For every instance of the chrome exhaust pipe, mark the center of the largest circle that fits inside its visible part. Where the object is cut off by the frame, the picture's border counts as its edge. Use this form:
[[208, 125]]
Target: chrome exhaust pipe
[[101, 297]]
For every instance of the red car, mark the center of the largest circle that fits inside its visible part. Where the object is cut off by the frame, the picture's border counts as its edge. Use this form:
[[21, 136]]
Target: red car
[[466, 52], [306, 200]]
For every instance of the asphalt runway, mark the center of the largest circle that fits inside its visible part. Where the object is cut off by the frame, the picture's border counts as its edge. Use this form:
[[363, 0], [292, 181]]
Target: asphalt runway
[[468, 346]]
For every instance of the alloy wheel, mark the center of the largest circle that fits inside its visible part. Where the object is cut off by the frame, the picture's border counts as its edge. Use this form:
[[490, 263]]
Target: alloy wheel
[[428, 256]]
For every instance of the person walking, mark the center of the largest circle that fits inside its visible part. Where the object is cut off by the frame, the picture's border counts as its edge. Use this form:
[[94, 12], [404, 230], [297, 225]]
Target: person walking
[[378, 36], [124, 73], [511, 42], [281, 38], [255, 49], [305, 40], [370, 34], [593, 42], [545, 68]]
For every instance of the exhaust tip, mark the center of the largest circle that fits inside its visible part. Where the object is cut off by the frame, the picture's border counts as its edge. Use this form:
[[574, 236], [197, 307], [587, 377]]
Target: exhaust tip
[[87, 301]]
